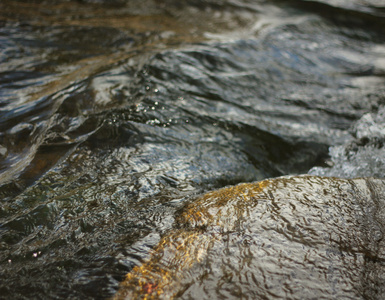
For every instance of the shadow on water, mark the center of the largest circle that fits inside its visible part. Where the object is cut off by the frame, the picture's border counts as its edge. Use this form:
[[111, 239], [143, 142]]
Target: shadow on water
[[113, 115]]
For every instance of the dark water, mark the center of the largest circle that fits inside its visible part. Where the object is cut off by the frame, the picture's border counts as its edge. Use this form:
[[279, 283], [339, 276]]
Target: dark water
[[113, 114]]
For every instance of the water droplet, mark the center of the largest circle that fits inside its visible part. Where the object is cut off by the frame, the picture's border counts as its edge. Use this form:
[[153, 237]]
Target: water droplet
[[35, 254]]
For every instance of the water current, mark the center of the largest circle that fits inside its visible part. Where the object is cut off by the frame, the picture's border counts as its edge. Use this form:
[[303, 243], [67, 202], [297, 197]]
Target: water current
[[116, 114]]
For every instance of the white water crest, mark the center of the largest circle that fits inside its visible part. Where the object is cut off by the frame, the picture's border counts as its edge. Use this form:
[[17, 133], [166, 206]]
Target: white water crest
[[364, 154]]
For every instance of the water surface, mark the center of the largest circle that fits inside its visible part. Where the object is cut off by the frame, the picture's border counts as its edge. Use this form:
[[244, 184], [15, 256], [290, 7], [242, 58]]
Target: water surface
[[114, 114]]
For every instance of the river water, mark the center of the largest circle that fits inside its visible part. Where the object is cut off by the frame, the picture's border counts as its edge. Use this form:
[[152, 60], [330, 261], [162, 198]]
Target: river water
[[113, 114]]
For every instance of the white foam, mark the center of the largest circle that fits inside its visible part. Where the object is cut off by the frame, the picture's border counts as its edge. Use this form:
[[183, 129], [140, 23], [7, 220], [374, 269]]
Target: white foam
[[362, 156]]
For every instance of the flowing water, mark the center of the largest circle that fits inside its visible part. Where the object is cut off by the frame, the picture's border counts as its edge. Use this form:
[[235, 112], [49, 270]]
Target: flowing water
[[270, 240], [114, 114]]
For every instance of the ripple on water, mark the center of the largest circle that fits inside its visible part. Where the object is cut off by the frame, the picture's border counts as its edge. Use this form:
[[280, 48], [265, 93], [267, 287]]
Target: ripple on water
[[291, 237], [115, 114]]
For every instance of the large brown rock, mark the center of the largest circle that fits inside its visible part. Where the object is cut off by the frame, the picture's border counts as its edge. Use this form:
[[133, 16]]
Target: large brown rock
[[299, 237]]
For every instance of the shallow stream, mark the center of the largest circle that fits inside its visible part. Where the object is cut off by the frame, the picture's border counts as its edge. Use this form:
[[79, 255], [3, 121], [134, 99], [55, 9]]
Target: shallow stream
[[114, 114]]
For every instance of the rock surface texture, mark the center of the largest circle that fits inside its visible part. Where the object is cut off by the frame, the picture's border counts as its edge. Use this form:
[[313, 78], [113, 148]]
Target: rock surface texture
[[301, 237]]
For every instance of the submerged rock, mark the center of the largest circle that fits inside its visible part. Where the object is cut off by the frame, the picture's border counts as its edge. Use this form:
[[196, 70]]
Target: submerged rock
[[301, 237]]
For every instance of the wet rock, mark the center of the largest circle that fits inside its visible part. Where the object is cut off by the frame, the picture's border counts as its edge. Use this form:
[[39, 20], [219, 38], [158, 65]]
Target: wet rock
[[302, 237]]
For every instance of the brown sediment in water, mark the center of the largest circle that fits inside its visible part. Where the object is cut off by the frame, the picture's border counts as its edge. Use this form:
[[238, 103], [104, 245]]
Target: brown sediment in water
[[149, 16], [184, 248], [295, 236]]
